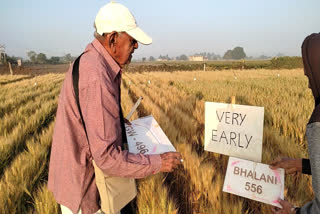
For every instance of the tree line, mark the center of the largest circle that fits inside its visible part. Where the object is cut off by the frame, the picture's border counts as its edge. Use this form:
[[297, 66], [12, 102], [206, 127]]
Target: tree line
[[234, 54], [41, 58], [38, 58]]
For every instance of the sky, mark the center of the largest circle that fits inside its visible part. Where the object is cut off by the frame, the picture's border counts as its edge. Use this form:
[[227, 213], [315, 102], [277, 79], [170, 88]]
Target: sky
[[177, 27]]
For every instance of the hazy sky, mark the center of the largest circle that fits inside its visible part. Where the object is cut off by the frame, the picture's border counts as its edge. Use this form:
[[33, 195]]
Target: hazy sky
[[58, 27]]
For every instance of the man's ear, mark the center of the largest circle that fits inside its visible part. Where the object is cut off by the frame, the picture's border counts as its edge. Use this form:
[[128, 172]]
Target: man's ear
[[112, 40]]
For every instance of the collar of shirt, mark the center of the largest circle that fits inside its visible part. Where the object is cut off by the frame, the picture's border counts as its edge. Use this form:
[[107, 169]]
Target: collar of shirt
[[115, 68]]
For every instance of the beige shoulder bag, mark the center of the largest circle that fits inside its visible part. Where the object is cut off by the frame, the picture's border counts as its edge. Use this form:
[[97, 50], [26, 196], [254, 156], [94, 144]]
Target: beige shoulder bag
[[115, 192]]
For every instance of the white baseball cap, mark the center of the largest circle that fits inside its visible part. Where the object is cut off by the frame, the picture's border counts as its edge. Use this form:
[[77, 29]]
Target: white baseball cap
[[116, 17]]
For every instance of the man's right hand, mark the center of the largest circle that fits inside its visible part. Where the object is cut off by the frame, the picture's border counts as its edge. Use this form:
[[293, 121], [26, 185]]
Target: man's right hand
[[290, 165], [170, 161]]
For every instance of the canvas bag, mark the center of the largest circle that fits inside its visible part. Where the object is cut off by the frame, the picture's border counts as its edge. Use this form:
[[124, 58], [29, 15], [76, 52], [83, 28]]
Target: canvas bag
[[115, 192]]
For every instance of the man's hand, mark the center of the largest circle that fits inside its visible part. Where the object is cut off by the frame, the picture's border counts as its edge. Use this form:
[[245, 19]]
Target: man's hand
[[286, 208], [170, 161], [290, 165]]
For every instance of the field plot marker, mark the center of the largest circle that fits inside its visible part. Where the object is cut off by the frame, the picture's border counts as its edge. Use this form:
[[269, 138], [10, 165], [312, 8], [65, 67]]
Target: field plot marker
[[234, 75], [19, 61], [134, 108], [233, 99], [10, 68]]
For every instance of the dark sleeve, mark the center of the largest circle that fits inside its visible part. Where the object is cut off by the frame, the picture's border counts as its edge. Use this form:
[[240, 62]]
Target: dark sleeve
[[298, 210], [306, 167]]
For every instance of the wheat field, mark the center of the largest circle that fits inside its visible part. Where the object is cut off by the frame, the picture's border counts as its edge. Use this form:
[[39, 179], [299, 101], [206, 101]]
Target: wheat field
[[176, 100]]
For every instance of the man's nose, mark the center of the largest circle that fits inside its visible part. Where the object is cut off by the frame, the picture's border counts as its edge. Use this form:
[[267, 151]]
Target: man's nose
[[136, 45]]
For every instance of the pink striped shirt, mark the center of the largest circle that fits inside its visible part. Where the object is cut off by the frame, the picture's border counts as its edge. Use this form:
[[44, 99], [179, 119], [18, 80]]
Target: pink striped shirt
[[71, 173]]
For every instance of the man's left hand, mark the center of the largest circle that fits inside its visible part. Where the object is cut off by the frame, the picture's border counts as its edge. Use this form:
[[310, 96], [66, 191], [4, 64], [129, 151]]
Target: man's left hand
[[286, 208]]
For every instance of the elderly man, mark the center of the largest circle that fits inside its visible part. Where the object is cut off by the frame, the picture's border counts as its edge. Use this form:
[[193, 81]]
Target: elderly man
[[100, 135]]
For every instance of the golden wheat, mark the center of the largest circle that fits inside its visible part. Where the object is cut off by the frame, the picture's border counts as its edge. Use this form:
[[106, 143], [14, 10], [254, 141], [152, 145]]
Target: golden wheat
[[176, 100]]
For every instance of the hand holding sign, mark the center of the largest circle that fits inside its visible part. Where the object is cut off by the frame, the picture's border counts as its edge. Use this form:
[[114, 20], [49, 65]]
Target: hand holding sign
[[286, 208], [290, 165]]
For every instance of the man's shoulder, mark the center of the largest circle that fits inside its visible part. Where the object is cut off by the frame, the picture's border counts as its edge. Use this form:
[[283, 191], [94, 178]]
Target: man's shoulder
[[93, 65], [94, 59]]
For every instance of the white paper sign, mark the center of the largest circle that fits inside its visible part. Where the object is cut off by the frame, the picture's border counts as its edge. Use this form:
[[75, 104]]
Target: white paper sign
[[145, 136], [234, 130], [255, 181]]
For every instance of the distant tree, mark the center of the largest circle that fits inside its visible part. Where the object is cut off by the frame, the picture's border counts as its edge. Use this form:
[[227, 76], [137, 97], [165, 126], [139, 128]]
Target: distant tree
[[228, 55], [144, 59], [67, 58], [12, 59], [236, 53], [32, 56], [182, 57], [151, 59], [41, 58], [3, 59], [264, 57], [54, 60], [164, 57]]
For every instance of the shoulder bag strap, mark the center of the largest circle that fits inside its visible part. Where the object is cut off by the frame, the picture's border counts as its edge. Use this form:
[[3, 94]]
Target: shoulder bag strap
[[75, 78]]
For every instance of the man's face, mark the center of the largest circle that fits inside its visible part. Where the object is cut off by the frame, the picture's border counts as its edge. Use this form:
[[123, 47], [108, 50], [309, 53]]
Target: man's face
[[125, 46]]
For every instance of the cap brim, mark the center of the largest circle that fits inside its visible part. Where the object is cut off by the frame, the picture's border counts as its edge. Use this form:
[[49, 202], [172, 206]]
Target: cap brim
[[140, 36]]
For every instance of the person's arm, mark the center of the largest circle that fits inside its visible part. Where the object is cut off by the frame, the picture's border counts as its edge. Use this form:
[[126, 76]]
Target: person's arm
[[313, 140], [101, 115], [292, 165]]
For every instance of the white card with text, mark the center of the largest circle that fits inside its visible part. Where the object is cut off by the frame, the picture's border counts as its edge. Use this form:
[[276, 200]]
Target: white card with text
[[255, 181], [145, 136], [234, 130]]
